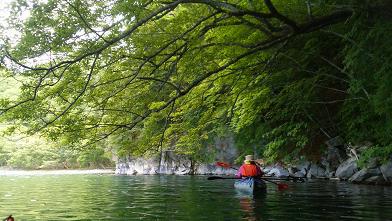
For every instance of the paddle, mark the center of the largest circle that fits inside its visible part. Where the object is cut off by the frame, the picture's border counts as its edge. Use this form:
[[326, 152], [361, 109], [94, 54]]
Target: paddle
[[281, 186], [221, 178], [231, 178], [295, 179]]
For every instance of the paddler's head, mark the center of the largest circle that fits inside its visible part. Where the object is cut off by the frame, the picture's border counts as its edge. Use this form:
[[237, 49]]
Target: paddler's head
[[9, 218], [248, 159]]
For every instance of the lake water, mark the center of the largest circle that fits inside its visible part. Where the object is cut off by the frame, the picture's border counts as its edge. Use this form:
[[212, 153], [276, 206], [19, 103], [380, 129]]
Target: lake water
[[110, 197]]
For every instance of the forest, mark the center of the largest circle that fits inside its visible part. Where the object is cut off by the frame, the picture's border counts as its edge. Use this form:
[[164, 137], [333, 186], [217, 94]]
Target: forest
[[142, 76]]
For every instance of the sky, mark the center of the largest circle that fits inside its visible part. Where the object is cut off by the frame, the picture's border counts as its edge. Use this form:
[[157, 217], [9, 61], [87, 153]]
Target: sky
[[4, 12], [10, 35]]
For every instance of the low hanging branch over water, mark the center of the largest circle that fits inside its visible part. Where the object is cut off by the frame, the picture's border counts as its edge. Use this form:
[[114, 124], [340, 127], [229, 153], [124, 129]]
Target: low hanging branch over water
[[150, 73]]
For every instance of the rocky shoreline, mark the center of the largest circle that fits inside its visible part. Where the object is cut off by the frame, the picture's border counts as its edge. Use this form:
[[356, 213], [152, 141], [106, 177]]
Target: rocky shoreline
[[347, 170], [336, 165]]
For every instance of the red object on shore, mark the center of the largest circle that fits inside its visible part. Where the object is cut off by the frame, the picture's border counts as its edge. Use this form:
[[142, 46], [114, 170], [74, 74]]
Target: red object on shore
[[222, 164]]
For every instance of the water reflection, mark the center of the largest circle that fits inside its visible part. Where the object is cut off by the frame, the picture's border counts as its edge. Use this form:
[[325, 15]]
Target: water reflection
[[250, 205], [93, 197]]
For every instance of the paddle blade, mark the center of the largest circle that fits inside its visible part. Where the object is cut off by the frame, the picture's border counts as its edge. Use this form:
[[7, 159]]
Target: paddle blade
[[223, 164], [282, 186]]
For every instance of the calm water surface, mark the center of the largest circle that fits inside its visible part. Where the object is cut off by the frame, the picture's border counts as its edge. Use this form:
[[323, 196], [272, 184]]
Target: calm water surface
[[109, 197]]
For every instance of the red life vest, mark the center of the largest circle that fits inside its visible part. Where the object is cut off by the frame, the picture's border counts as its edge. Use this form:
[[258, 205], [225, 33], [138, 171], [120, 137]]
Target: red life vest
[[249, 170]]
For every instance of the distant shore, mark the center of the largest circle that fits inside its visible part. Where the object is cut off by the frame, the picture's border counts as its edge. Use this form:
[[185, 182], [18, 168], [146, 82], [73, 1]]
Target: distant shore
[[18, 172]]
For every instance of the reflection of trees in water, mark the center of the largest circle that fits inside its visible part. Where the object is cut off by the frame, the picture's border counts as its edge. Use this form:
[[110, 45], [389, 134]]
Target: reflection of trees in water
[[194, 198], [341, 200], [310, 201], [319, 200]]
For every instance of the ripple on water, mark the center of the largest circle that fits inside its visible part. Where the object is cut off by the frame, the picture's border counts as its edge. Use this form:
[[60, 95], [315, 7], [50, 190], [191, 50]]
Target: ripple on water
[[93, 197]]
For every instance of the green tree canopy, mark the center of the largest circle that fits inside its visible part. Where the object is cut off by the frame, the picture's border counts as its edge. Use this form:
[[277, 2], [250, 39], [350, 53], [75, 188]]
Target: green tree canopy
[[173, 74]]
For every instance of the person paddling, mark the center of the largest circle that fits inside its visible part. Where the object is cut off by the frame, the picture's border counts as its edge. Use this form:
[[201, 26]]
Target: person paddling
[[9, 218], [249, 168]]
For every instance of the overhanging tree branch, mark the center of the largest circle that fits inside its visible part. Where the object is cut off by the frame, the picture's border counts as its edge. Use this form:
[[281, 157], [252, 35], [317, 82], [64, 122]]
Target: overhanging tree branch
[[196, 38], [76, 98]]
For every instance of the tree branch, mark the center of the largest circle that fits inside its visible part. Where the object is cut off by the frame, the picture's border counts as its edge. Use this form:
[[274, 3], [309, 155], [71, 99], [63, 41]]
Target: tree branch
[[279, 16], [77, 97]]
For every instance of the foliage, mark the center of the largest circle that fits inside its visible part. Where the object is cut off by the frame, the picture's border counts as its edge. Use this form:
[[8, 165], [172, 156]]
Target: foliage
[[283, 77], [36, 153], [368, 64], [380, 153], [95, 158]]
